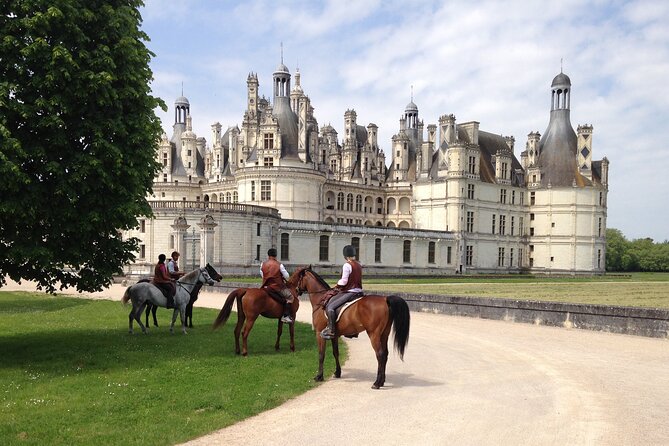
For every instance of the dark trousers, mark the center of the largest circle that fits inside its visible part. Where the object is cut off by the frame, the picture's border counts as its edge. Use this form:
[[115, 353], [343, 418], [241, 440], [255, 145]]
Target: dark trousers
[[337, 301]]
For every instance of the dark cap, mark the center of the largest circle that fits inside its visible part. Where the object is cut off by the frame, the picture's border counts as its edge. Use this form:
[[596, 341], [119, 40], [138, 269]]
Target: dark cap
[[271, 252], [349, 251]]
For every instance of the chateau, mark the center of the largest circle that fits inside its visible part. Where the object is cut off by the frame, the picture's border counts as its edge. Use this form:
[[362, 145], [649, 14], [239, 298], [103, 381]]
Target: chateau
[[447, 198]]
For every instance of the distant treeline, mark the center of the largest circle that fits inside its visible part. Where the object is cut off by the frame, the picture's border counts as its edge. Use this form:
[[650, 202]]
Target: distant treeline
[[635, 255]]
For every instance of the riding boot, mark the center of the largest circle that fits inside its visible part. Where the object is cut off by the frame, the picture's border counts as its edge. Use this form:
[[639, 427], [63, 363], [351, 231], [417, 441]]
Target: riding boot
[[329, 331], [286, 314]]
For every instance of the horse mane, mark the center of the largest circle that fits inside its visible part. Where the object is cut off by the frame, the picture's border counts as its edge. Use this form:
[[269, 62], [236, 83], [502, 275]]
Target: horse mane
[[189, 276], [319, 278]]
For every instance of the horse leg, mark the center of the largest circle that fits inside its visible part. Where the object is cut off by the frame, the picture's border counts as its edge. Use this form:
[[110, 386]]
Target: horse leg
[[291, 328], [380, 346], [279, 330], [241, 317], [321, 356], [245, 333], [138, 318], [148, 310], [154, 308], [189, 314], [131, 316], [335, 353], [182, 313], [174, 319]]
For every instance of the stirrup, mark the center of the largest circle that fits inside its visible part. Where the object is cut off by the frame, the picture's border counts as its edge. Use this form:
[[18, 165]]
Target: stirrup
[[327, 334]]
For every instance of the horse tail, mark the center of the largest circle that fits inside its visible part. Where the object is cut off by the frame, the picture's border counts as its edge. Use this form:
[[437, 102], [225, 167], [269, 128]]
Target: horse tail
[[224, 314], [399, 312], [126, 296]]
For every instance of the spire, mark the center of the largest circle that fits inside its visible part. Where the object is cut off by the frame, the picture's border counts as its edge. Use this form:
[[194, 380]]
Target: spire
[[281, 53]]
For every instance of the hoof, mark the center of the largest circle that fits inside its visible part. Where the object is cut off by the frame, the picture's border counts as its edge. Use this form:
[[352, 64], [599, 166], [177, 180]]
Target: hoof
[[318, 378], [376, 386], [337, 375], [245, 354], [130, 332]]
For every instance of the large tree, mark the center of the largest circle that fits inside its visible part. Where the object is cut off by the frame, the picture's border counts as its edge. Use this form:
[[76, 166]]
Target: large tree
[[77, 139]]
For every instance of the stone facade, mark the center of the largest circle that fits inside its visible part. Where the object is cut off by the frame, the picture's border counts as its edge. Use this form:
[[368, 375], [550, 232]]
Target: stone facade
[[452, 199]]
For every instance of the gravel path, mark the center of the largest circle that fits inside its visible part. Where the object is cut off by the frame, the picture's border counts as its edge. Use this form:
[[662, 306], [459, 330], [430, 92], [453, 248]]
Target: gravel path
[[478, 382]]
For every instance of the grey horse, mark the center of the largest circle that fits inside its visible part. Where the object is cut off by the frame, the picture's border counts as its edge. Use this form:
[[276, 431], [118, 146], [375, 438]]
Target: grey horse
[[143, 293]]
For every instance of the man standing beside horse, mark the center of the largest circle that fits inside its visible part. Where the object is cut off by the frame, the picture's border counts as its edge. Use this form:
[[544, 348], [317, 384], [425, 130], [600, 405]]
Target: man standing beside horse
[[273, 276]]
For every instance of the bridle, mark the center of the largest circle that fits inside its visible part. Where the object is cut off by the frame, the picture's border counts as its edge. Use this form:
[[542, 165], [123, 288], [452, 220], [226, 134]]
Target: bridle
[[301, 291], [183, 284]]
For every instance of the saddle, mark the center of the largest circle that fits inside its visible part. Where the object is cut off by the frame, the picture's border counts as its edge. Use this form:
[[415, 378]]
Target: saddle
[[275, 295], [164, 290], [344, 307]]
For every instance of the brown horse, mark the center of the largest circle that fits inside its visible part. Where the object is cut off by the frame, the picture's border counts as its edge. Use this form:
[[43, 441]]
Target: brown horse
[[251, 303], [374, 314]]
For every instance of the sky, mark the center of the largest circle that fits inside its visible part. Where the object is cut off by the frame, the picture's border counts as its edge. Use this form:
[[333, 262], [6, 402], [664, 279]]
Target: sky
[[486, 61]]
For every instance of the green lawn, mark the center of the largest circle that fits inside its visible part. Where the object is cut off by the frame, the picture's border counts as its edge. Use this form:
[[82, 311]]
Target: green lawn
[[635, 290], [71, 374]]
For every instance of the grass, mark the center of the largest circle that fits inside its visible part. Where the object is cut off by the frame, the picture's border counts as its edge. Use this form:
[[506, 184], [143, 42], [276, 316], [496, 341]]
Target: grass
[[635, 290], [71, 374]]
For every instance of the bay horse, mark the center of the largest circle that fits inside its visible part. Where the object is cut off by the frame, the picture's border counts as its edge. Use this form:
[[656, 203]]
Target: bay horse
[[142, 293], [251, 303], [151, 309], [374, 314]]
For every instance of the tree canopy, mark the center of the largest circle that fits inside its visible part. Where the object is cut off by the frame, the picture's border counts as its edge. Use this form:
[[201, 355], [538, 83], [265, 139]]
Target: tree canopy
[[78, 134], [636, 255]]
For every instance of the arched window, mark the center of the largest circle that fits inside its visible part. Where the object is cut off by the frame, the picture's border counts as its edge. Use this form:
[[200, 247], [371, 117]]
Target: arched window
[[324, 248], [349, 202], [358, 203], [407, 251], [285, 245], [355, 242]]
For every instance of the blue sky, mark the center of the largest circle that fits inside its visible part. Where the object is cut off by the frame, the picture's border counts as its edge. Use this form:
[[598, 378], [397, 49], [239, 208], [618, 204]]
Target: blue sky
[[487, 61]]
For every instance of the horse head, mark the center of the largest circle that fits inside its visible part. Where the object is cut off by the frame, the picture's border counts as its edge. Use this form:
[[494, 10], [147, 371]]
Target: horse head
[[309, 281], [213, 273], [207, 278]]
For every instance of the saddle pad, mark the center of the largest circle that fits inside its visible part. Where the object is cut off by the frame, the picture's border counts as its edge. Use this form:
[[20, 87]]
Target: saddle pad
[[344, 307]]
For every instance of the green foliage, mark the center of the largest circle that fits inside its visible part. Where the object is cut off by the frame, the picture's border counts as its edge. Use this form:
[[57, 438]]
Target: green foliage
[[71, 374], [77, 139], [636, 255]]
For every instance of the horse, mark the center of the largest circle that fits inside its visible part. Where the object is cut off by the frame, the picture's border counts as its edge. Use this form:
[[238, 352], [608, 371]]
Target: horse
[[374, 314], [251, 303], [142, 293], [151, 309]]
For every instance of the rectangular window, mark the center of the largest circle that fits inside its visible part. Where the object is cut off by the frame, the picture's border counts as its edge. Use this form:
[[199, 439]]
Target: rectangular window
[[164, 178], [377, 250], [510, 256], [521, 229], [520, 258], [268, 161], [500, 256], [505, 171], [142, 226], [449, 253], [469, 255], [324, 248], [512, 224], [471, 167], [531, 231], [164, 159], [513, 197], [430, 252], [269, 141], [258, 229], [253, 191], [285, 246], [355, 242], [406, 257], [502, 196], [522, 198], [470, 221], [601, 198], [333, 165], [470, 191], [258, 252], [265, 190], [599, 258], [533, 198], [531, 217], [171, 242], [493, 223], [502, 224], [142, 251], [599, 229]]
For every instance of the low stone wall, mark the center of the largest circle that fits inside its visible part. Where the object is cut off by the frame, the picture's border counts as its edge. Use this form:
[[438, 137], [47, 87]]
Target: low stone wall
[[649, 322]]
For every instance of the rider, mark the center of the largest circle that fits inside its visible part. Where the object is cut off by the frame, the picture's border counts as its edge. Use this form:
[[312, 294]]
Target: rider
[[162, 280], [349, 287], [273, 275], [173, 266]]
